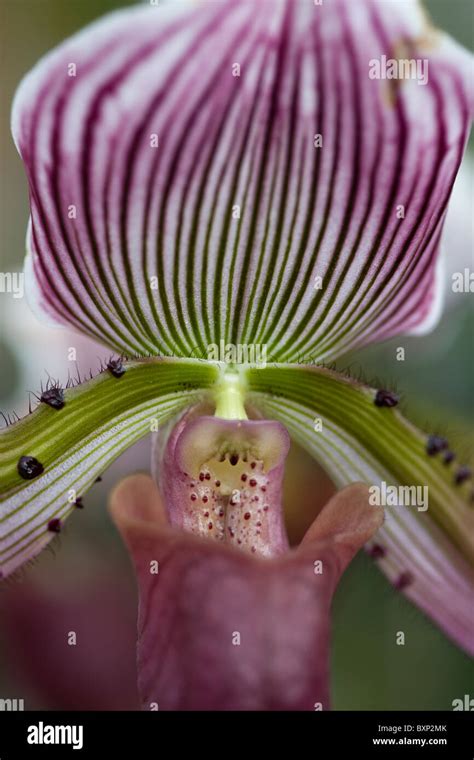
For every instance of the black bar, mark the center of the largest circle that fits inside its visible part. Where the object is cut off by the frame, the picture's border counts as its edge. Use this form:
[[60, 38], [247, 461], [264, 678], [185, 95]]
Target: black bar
[[314, 735]]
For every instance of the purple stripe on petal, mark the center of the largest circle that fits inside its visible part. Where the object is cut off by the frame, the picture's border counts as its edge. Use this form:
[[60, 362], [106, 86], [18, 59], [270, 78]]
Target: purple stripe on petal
[[422, 562]]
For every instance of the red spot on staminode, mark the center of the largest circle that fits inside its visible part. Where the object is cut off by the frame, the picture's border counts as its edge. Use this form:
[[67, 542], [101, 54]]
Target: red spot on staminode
[[206, 514], [208, 476], [218, 482], [263, 488], [253, 465], [205, 499], [201, 476], [265, 508], [252, 482], [243, 477], [210, 526], [193, 497], [247, 516], [258, 524], [234, 459]]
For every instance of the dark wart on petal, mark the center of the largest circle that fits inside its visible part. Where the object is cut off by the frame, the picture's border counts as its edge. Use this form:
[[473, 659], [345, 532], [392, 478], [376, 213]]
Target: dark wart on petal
[[29, 467], [448, 457], [115, 367], [53, 397], [386, 398], [78, 503], [54, 525], [435, 444], [404, 579], [463, 474], [376, 551]]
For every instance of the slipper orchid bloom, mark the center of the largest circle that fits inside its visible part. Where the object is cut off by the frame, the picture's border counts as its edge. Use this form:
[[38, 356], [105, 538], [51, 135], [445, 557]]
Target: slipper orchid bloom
[[231, 195]]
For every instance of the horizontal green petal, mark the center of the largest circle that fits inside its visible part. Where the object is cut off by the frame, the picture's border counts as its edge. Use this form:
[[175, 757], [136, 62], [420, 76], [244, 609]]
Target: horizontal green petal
[[428, 554], [74, 444]]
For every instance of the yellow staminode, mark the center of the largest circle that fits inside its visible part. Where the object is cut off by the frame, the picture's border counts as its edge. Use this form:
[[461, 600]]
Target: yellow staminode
[[229, 396]]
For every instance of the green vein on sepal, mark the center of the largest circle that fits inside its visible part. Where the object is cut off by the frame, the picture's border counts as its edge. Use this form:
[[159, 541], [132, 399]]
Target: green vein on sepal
[[101, 418]]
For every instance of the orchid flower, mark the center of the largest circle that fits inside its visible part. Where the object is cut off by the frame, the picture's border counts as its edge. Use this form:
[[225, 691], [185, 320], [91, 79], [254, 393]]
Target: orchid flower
[[226, 196]]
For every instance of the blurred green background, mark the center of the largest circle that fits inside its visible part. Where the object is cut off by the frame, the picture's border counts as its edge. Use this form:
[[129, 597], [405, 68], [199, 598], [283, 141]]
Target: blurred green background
[[369, 670]]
